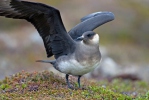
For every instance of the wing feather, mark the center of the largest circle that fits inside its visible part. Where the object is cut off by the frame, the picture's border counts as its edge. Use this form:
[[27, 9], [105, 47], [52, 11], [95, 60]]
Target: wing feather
[[90, 22], [47, 21]]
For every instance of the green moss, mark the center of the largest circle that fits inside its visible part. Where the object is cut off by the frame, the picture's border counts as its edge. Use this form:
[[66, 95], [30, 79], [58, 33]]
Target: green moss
[[48, 86]]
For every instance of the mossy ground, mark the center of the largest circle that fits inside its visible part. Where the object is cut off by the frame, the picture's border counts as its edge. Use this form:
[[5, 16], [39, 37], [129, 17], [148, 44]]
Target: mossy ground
[[48, 86]]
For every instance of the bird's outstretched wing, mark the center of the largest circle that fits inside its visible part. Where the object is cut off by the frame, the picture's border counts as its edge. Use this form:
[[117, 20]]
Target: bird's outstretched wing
[[90, 22], [47, 21]]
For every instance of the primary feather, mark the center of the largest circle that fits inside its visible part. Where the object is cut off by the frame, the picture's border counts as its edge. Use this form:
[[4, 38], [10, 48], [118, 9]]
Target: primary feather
[[47, 21]]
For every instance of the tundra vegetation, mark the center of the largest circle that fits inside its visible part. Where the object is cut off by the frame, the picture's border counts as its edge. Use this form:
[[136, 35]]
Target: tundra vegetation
[[48, 86]]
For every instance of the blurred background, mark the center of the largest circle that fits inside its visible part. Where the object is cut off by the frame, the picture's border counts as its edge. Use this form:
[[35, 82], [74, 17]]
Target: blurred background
[[124, 42]]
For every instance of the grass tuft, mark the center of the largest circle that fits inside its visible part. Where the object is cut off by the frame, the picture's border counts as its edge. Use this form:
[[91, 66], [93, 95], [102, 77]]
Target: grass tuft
[[48, 86]]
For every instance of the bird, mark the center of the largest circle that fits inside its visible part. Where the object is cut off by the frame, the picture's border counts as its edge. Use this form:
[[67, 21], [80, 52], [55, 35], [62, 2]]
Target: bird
[[77, 51]]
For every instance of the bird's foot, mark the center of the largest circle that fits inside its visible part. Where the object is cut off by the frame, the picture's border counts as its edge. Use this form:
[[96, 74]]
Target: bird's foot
[[82, 88], [71, 87]]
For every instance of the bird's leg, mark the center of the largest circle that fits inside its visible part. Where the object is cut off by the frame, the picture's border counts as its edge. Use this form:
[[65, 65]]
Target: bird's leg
[[79, 80], [67, 81]]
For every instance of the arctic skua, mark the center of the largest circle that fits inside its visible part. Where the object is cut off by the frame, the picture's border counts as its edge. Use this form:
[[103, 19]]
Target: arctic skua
[[76, 52]]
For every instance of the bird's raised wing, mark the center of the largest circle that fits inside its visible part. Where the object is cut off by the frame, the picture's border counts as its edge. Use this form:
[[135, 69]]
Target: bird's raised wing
[[90, 22], [47, 21]]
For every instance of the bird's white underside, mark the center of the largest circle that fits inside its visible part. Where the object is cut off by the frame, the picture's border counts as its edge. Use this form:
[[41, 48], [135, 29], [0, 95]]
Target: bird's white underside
[[73, 67]]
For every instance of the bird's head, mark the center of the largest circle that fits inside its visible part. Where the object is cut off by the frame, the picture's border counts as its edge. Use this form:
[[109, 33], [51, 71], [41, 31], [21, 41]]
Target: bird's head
[[89, 38]]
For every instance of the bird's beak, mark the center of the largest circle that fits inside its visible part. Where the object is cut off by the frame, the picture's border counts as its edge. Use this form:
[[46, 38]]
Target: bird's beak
[[80, 38]]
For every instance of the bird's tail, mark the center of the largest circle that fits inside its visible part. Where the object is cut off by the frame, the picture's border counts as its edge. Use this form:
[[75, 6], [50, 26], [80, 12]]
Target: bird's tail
[[47, 61]]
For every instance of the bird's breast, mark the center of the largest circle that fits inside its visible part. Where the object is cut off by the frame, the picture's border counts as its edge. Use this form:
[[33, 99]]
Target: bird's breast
[[73, 67]]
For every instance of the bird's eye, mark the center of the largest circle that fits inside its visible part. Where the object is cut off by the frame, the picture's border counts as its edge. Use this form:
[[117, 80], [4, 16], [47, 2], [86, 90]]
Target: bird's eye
[[89, 35]]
